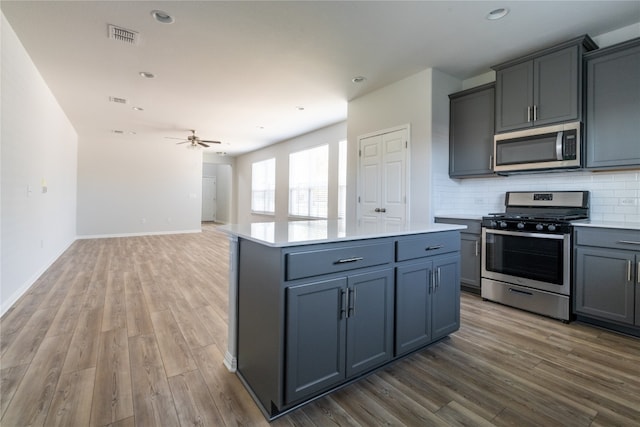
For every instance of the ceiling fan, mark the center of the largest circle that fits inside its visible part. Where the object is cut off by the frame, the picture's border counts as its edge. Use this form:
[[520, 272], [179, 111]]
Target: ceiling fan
[[194, 140]]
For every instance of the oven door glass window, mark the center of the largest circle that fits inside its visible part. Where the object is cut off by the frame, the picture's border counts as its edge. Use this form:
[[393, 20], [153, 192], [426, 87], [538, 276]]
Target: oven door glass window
[[522, 255]]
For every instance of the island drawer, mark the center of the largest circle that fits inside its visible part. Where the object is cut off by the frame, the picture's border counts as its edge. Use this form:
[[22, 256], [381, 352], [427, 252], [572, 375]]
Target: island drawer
[[608, 238], [336, 259], [425, 245]]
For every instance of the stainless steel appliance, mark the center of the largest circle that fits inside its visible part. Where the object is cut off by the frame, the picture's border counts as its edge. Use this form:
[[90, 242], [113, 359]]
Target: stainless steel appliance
[[526, 256], [550, 147]]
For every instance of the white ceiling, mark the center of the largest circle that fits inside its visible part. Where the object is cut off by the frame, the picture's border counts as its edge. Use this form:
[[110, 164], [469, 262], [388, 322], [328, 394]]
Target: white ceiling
[[237, 71]]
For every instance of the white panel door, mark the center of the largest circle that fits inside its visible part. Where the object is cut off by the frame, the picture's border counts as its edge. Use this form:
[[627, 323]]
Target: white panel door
[[394, 147], [370, 177], [209, 191], [383, 177]]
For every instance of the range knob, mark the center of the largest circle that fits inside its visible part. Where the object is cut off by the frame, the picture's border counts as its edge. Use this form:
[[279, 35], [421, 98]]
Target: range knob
[[539, 227], [551, 227], [493, 223], [520, 225], [503, 224]]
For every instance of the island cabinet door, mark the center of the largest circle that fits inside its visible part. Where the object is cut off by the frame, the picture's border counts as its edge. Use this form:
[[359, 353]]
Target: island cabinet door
[[445, 302], [315, 337], [414, 284], [369, 320]]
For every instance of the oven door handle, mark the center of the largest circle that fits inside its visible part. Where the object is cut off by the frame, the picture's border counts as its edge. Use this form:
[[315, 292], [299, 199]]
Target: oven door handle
[[518, 291], [525, 234]]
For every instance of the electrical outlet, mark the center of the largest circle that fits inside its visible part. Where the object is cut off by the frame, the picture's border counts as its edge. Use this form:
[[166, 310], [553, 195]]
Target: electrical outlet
[[629, 202]]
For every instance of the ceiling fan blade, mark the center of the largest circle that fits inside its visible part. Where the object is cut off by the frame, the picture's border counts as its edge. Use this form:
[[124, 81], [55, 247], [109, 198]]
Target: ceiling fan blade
[[183, 142], [211, 142], [203, 144], [170, 137]]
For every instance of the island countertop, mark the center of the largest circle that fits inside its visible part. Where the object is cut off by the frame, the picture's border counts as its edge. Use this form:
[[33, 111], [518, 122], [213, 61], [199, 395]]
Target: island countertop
[[296, 233]]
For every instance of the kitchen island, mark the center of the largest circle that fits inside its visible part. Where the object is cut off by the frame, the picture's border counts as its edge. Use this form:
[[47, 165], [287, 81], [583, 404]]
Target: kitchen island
[[315, 305]]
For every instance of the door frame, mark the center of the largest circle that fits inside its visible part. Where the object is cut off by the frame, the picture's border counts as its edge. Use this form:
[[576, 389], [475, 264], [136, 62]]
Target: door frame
[[359, 187]]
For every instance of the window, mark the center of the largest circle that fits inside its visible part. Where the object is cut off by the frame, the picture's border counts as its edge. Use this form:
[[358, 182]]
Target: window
[[263, 186], [342, 179], [308, 182]]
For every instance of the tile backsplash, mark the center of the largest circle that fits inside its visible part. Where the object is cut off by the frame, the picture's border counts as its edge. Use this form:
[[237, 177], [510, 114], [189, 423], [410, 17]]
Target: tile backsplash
[[615, 196]]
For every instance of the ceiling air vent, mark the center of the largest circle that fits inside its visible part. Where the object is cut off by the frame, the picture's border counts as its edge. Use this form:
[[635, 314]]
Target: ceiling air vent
[[123, 35], [117, 100]]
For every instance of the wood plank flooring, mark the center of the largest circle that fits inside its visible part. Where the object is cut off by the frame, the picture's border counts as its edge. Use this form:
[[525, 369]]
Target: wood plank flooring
[[132, 332]]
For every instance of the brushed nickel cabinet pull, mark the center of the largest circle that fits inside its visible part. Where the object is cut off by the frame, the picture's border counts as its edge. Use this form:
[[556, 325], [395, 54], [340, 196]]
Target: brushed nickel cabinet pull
[[528, 114], [346, 260], [433, 248], [352, 303], [477, 248], [629, 242], [535, 113], [343, 304], [628, 270]]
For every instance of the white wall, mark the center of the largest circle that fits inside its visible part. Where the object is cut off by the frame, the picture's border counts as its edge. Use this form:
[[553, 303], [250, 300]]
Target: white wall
[[328, 135], [411, 101], [39, 147], [131, 184]]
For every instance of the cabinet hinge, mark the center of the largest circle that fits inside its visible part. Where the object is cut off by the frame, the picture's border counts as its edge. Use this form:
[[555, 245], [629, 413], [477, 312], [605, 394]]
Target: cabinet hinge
[[406, 144], [359, 153], [358, 199]]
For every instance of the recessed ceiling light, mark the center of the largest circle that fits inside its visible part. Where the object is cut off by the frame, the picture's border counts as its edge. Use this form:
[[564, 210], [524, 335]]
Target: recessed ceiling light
[[138, 108], [221, 153], [300, 108], [497, 13], [146, 75], [358, 79], [162, 17], [118, 131]]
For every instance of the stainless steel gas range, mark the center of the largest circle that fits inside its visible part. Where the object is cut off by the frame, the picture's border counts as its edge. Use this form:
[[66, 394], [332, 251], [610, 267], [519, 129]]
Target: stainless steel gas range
[[527, 251]]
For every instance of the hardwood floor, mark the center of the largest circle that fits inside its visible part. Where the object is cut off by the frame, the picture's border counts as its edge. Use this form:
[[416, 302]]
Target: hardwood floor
[[132, 332]]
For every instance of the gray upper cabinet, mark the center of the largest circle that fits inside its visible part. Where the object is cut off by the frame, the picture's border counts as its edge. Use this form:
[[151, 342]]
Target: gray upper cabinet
[[542, 88], [613, 106], [471, 129]]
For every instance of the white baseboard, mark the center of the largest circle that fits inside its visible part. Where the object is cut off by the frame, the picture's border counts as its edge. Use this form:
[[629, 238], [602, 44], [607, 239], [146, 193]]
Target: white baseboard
[[149, 233], [230, 362], [6, 305]]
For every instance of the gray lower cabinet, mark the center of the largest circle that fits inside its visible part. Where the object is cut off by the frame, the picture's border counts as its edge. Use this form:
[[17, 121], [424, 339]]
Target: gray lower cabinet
[[613, 106], [470, 252], [426, 292], [607, 276], [471, 129], [314, 317], [336, 329]]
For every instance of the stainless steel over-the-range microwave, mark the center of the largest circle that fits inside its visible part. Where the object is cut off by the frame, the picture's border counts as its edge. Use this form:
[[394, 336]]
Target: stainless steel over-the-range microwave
[[549, 147]]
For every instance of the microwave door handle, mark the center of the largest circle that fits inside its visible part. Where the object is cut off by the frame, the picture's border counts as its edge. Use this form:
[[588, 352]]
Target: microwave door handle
[[559, 145]]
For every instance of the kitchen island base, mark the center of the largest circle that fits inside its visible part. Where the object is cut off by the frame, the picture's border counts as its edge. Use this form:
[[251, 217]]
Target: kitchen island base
[[312, 318]]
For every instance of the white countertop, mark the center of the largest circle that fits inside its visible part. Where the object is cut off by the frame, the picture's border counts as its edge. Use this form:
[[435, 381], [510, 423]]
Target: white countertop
[[607, 224], [295, 233], [460, 216]]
